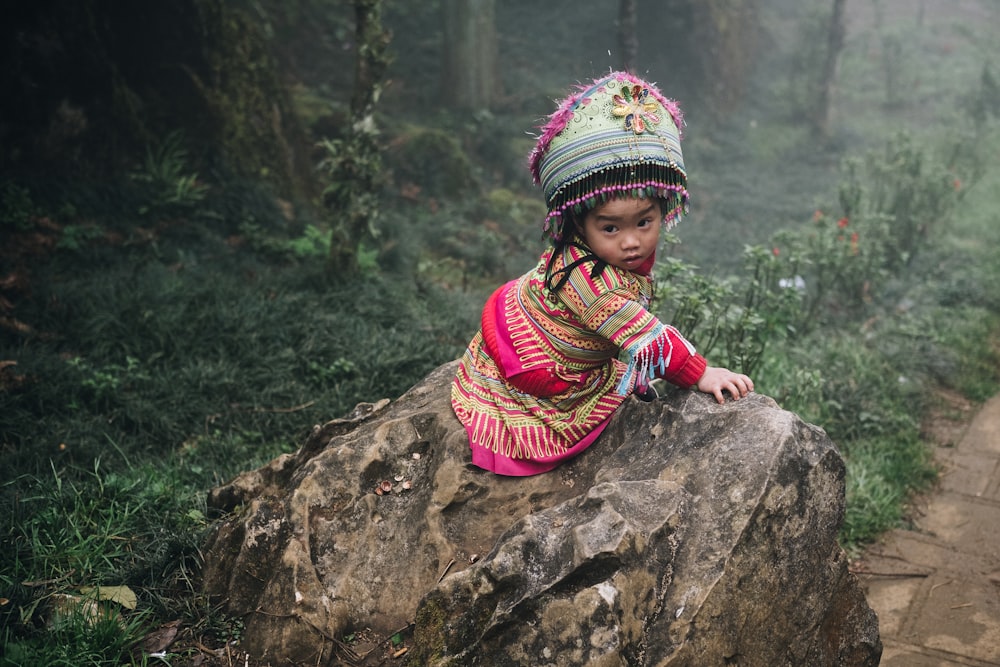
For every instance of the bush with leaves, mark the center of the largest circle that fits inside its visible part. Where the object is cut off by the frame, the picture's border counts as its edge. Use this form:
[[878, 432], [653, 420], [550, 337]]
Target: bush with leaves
[[171, 187], [734, 319]]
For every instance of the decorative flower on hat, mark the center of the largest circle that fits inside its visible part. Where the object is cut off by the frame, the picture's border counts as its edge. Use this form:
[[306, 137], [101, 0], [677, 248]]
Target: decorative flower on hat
[[632, 105]]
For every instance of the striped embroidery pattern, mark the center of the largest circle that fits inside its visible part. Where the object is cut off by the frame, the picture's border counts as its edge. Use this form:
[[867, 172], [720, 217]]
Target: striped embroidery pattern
[[580, 335]]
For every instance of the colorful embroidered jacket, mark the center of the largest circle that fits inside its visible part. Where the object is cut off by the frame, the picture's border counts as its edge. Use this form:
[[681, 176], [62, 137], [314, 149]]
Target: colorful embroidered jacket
[[546, 371]]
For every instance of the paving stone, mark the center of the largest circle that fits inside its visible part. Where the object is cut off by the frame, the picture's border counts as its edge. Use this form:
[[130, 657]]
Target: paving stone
[[909, 552], [958, 519], [958, 616], [936, 588], [971, 474], [904, 655], [891, 598], [983, 434]]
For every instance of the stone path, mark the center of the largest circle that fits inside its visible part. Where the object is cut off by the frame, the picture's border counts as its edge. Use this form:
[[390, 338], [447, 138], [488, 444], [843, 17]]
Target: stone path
[[936, 587]]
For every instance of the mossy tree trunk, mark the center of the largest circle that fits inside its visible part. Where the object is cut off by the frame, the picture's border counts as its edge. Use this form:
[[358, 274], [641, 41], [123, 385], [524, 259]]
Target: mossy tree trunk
[[254, 124], [354, 164]]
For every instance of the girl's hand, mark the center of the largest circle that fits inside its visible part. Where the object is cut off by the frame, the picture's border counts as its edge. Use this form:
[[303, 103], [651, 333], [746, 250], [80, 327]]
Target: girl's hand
[[715, 380]]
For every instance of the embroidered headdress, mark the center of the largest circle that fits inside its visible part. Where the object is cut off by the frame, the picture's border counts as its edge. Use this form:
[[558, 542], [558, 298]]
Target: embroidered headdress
[[617, 136]]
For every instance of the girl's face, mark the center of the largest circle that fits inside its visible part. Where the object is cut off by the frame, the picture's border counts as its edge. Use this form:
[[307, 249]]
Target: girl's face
[[623, 232]]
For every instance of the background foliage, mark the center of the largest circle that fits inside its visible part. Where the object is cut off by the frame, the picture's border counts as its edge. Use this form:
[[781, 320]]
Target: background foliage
[[169, 320]]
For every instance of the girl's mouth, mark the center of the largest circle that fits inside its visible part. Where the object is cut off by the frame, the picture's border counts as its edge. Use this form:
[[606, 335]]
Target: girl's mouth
[[633, 260]]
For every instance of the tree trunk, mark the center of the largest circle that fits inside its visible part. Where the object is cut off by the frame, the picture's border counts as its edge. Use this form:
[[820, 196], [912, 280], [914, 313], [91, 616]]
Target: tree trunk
[[713, 45], [470, 76], [628, 36], [835, 44], [354, 164], [372, 61]]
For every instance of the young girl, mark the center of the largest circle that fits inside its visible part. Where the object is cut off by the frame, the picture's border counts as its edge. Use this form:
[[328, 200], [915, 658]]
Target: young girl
[[563, 346]]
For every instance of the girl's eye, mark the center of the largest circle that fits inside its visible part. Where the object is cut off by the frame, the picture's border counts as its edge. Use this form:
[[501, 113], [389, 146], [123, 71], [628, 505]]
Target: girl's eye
[[609, 229], [646, 222]]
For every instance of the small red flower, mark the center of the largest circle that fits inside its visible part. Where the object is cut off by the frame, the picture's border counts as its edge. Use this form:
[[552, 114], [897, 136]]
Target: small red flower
[[818, 215], [957, 184], [843, 222], [854, 243], [775, 251]]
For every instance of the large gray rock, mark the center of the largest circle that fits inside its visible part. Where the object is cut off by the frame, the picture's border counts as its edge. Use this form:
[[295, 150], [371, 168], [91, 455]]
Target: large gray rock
[[689, 534]]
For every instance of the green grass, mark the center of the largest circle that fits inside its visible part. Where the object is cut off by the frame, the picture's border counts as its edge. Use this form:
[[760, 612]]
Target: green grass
[[158, 354], [70, 531], [156, 372], [876, 500], [79, 640]]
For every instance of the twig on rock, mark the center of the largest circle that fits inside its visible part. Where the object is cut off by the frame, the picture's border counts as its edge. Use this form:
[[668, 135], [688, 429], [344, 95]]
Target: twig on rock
[[446, 568], [285, 410]]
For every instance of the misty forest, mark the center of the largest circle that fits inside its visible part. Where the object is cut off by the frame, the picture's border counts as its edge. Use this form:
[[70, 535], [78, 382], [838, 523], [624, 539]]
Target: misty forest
[[225, 221]]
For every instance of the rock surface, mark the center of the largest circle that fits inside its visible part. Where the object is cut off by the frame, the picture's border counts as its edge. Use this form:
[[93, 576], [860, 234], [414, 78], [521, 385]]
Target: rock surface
[[690, 533]]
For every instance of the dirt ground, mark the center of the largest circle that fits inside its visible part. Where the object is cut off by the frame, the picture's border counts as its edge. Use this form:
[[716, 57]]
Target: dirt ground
[[936, 585]]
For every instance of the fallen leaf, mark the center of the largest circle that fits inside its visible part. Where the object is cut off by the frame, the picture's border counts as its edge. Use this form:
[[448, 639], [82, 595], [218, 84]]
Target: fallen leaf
[[158, 640], [123, 595]]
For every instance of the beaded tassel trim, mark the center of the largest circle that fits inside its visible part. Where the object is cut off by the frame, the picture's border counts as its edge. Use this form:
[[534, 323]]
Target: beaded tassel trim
[[675, 194]]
